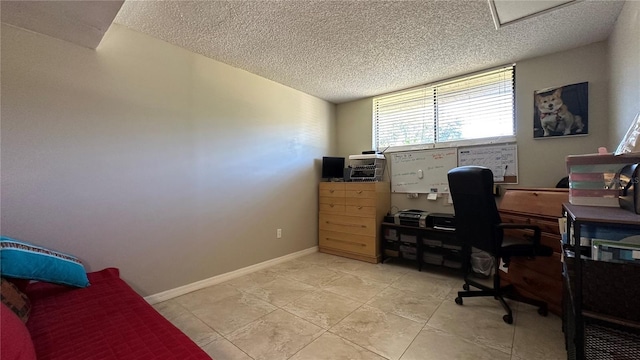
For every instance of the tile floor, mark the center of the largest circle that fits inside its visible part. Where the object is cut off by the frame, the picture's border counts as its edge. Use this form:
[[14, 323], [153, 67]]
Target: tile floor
[[327, 307]]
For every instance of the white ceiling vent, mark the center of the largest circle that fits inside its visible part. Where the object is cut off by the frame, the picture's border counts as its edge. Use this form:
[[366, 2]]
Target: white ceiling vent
[[506, 12]]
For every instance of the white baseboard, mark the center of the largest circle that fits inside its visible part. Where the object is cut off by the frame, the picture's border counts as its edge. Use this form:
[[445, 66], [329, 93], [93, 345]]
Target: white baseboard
[[170, 294]]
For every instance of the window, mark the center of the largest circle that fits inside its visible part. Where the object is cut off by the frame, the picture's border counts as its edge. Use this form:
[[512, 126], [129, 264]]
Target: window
[[479, 106]]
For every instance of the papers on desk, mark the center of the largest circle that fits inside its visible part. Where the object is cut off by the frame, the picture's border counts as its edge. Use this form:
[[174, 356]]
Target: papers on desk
[[444, 228]]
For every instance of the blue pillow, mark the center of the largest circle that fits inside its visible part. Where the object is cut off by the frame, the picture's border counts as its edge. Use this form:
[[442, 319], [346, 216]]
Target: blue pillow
[[19, 259]]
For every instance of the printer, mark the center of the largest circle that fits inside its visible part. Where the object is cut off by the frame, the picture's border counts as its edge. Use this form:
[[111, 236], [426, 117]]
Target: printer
[[442, 221], [416, 218]]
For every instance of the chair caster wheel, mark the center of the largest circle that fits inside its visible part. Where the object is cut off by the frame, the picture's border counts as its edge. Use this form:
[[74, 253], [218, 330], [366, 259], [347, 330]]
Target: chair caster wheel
[[508, 319], [465, 287], [459, 300], [543, 311]]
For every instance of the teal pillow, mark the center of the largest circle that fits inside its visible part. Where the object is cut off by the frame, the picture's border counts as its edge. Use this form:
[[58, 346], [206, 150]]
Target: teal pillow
[[19, 259]]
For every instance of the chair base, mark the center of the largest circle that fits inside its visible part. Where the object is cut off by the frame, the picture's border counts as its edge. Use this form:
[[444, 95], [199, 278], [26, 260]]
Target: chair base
[[500, 294]]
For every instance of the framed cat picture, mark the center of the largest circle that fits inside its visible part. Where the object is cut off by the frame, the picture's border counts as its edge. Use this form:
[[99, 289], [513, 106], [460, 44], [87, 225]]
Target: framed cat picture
[[561, 111]]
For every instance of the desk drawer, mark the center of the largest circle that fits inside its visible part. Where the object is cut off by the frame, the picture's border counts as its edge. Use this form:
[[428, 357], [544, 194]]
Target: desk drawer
[[541, 202], [542, 286], [549, 229], [548, 226], [331, 189], [355, 201], [358, 244], [333, 205], [361, 186], [360, 194], [332, 208], [331, 193], [348, 224], [547, 265], [364, 211], [546, 239], [331, 200]]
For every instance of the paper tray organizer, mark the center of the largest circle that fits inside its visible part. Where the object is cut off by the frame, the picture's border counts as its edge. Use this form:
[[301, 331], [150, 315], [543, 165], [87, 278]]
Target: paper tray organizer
[[367, 167]]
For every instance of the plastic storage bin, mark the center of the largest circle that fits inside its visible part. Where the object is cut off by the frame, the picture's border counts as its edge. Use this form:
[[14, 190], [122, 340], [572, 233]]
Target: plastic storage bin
[[592, 178]]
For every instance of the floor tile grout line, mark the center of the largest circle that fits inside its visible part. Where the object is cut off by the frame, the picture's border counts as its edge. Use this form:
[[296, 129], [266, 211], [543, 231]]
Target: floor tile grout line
[[412, 341], [367, 302], [354, 310], [221, 335], [279, 308], [427, 322], [202, 321], [245, 325], [312, 341], [516, 317]]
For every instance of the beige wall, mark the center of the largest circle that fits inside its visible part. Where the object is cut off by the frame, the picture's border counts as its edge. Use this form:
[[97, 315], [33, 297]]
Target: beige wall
[[355, 127], [541, 162], [144, 156], [624, 62]]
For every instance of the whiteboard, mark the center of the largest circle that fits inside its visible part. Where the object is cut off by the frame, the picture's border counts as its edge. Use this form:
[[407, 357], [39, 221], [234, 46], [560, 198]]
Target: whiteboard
[[423, 171], [502, 159]]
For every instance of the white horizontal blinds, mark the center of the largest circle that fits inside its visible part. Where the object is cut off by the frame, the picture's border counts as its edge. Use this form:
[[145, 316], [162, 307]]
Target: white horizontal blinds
[[404, 118], [472, 107], [476, 106]]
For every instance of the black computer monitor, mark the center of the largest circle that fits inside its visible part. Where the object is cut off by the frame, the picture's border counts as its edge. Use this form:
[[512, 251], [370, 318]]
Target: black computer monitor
[[332, 167]]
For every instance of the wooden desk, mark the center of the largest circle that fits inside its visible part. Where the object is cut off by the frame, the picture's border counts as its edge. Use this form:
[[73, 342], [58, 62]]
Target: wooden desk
[[541, 277]]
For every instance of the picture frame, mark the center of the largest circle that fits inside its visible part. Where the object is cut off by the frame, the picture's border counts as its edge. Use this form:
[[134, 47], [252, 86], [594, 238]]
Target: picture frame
[[561, 111]]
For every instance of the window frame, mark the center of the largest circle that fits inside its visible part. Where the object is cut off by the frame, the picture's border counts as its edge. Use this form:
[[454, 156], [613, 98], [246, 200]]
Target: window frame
[[454, 143]]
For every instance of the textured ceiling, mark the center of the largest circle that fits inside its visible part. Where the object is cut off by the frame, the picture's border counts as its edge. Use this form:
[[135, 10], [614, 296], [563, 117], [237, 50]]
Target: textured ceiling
[[345, 50]]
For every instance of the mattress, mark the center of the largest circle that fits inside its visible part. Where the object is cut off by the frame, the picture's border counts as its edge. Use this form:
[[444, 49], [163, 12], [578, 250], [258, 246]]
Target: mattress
[[107, 320]]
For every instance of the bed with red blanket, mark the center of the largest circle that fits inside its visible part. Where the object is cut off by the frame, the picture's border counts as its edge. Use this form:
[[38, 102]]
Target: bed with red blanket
[[106, 320]]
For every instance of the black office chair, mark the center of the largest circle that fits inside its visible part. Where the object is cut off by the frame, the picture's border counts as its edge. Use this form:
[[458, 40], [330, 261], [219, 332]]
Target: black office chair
[[478, 225]]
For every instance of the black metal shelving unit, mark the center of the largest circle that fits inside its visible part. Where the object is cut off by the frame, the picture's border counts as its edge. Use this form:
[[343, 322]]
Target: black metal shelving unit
[[422, 245], [601, 317]]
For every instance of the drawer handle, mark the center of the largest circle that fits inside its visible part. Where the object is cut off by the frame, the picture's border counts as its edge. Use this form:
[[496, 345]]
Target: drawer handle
[[359, 191], [330, 205], [343, 224], [359, 207], [332, 191], [346, 242]]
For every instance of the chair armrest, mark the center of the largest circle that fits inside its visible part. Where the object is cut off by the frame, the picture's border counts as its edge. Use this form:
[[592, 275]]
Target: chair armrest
[[536, 230]]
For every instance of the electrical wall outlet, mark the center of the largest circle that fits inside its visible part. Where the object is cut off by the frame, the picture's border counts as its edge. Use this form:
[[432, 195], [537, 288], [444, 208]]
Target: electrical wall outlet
[[278, 233]]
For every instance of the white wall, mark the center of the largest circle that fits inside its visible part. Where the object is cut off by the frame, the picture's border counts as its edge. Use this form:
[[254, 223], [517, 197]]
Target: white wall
[[541, 162], [147, 157], [624, 63]]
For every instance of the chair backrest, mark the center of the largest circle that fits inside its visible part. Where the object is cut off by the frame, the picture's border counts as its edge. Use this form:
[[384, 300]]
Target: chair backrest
[[476, 213]]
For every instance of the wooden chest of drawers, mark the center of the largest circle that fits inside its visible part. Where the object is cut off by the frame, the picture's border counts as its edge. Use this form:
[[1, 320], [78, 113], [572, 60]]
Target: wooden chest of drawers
[[350, 215], [540, 277]]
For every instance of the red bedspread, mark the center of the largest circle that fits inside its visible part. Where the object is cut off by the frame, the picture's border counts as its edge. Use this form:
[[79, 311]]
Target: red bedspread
[[107, 320]]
